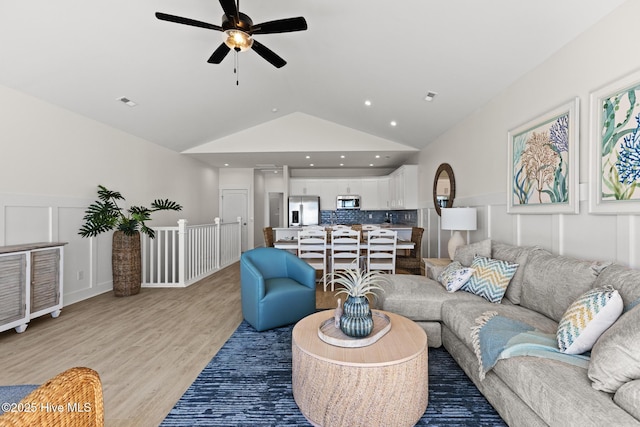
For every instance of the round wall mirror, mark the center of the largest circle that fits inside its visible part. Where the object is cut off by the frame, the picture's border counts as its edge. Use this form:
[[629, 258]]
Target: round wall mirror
[[444, 187]]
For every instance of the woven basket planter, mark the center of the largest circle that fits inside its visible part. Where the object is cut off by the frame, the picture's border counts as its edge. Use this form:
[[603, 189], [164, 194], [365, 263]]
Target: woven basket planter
[[126, 264]]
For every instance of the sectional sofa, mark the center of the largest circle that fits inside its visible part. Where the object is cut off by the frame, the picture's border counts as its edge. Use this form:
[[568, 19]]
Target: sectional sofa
[[602, 387]]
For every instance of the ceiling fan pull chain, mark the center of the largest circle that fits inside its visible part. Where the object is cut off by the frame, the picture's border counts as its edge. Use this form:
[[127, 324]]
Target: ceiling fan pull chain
[[236, 67]]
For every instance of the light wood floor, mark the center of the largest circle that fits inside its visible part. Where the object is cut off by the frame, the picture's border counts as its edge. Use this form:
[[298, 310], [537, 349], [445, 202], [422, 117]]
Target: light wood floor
[[147, 348]]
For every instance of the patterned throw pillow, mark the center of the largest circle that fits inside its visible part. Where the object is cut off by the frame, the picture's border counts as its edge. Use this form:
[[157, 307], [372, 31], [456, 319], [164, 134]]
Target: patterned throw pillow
[[587, 318], [454, 276], [490, 278]]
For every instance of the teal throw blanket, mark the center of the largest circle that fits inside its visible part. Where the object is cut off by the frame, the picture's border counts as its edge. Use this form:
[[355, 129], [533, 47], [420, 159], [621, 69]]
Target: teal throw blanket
[[496, 337]]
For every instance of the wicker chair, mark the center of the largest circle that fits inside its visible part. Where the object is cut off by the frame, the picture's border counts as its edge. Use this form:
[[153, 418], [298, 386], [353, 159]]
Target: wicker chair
[[76, 391], [268, 237], [411, 263]]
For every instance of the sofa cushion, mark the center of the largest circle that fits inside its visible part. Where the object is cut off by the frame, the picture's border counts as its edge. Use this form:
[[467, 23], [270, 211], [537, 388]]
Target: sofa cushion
[[628, 396], [416, 297], [560, 393], [615, 357], [551, 283], [460, 315], [517, 255], [490, 278], [454, 276], [625, 280], [587, 318], [464, 254]]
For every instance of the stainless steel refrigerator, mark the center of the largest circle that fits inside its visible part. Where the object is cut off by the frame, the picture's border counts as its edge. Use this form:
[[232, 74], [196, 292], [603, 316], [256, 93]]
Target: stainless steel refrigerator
[[304, 210]]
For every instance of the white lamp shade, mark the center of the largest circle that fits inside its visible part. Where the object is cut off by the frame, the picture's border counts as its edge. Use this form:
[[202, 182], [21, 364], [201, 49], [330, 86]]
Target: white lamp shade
[[459, 219]]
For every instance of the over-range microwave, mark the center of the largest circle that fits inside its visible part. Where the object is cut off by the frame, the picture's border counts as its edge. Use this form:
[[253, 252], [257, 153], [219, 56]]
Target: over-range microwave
[[348, 202]]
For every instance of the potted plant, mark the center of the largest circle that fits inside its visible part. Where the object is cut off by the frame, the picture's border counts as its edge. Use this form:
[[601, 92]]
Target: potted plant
[[105, 215], [356, 319]]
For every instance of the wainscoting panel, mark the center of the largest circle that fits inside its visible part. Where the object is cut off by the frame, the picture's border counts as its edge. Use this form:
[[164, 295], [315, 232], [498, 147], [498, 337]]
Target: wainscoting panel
[[31, 219], [27, 224], [633, 235], [535, 230], [77, 252], [501, 225], [585, 236], [590, 236]]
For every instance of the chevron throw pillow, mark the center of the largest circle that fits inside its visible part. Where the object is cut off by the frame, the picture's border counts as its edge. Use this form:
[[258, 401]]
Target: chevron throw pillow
[[587, 318], [490, 278]]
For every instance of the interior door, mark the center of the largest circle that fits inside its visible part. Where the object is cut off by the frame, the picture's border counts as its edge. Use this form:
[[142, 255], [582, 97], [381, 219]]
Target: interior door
[[275, 209], [234, 204]]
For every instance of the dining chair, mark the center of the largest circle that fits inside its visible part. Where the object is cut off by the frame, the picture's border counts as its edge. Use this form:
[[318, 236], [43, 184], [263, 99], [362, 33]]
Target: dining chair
[[268, 236], [313, 227], [381, 250], [312, 248], [366, 228], [411, 262], [340, 227], [345, 251]]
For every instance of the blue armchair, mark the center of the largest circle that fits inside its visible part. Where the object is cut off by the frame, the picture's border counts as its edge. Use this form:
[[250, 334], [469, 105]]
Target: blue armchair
[[277, 288]]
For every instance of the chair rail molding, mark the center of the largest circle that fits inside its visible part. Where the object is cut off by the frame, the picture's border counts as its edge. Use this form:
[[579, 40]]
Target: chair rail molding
[[600, 237]]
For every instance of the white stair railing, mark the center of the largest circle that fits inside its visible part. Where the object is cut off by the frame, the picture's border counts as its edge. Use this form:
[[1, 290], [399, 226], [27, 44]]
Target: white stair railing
[[182, 255]]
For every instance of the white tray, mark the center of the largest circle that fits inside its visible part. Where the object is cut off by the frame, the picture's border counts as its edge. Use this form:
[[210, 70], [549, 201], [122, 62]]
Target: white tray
[[334, 336]]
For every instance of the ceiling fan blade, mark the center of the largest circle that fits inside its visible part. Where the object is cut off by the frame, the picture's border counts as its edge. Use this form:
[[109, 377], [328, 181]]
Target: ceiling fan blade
[[286, 25], [187, 21], [230, 9], [268, 54], [219, 54]]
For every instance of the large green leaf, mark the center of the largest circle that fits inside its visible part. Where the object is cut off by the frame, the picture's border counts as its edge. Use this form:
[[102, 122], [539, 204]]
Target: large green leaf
[[104, 215]]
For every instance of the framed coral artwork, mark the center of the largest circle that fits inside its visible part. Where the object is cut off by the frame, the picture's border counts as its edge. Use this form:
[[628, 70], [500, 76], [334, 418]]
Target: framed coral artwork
[[615, 147], [543, 163]]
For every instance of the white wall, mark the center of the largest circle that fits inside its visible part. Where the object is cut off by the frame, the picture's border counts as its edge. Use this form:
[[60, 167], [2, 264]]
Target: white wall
[[52, 163], [477, 149]]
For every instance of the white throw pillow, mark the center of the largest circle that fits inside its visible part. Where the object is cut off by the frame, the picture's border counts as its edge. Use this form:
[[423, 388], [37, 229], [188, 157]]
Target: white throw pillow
[[454, 276], [457, 279], [587, 318]]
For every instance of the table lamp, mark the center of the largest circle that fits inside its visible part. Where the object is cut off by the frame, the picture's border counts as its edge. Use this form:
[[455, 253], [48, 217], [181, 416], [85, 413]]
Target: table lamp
[[457, 219]]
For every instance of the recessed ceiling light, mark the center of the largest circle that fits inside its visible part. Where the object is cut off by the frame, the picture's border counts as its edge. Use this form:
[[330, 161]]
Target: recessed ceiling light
[[310, 164], [393, 123], [341, 164], [342, 156], [274, 110], [367, 103], [370, 164], [307, 157], [377, 156], [226, 164], [430, 95], [126, 101]]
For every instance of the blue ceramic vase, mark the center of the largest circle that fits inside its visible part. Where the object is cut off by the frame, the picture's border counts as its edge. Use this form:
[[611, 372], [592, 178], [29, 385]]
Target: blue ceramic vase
[[356, 320]]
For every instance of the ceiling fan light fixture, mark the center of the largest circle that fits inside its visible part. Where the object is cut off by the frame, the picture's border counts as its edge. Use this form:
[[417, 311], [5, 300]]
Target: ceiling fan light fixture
[[238, 40]]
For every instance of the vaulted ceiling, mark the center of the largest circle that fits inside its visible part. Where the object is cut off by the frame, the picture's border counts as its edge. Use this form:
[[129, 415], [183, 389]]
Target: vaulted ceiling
[[83, 55]]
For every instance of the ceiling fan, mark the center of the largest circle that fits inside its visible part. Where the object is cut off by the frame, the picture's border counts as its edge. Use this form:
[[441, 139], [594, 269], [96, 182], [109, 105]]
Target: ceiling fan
[[239, 30]]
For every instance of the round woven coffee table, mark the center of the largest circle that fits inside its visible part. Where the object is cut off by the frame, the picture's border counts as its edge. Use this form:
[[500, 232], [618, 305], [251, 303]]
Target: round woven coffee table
[[384, 384]]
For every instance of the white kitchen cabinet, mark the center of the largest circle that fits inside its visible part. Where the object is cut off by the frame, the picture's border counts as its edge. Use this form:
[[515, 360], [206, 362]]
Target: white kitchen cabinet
[[370, 195], [30, 283], [403, 188], [324, 188], [399, 190], [383, 193], [349, 186], [297, 187]]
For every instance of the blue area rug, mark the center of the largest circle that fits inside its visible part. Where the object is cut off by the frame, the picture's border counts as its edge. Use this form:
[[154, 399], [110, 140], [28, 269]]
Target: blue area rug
[[248, 383]]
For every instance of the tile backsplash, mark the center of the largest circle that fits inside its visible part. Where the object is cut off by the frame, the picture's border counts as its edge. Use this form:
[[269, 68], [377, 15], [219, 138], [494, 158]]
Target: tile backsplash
[[404, 217]]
